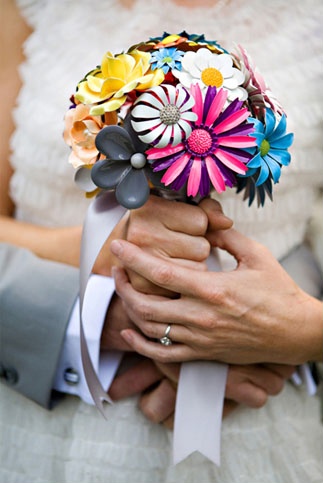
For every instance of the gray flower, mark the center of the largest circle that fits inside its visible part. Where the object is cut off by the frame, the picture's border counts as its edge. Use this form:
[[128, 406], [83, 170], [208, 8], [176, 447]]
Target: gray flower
[[125, 168]]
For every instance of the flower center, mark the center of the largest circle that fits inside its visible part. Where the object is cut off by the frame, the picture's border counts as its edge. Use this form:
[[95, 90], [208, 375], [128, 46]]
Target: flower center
[[88, 140], [264, 147], [212, 77], [200, 141], [170, 114], [138, 160], [167, 59]]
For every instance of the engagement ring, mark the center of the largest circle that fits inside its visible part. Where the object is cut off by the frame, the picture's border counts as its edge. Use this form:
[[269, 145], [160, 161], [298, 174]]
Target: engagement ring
[[166, 340]]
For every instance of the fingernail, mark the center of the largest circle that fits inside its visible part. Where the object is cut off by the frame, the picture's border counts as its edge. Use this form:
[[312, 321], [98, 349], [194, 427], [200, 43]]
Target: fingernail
[[116, 248]]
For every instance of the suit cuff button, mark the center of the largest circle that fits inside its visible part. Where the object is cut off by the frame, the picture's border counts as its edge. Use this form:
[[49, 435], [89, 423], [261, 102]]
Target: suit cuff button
[[71, 376]]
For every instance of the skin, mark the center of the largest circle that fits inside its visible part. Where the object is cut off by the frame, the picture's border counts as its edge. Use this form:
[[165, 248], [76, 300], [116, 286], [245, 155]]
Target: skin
[[180, 237], [227, 316]]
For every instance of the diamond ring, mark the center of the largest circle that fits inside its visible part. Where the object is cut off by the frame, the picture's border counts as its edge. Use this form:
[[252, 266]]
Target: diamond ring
[[166, 340]]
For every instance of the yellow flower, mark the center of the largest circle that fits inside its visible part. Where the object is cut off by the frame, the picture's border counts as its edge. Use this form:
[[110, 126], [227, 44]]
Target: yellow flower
[[119, 75]]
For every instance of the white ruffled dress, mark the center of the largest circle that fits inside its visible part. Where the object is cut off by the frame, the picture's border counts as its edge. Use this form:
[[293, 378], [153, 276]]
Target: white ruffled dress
[[280, 443]]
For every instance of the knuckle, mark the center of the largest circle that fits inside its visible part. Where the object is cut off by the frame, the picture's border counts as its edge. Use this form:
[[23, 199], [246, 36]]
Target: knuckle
[[149, 412], [215, 295], [204, 249], [277, 385], [201, 221], [209, 323], [151, 330], [163, 275], [135, 233], [261, 400], [143, 310]]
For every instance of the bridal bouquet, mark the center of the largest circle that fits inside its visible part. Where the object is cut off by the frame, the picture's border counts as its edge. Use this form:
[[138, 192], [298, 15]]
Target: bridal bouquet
[[176, 113], [181, 116]]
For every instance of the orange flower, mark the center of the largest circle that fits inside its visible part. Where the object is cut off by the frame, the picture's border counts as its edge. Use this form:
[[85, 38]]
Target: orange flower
[[80, 132]]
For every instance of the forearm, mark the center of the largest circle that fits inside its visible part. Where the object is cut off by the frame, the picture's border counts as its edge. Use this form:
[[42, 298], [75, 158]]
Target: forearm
[[56, 244]]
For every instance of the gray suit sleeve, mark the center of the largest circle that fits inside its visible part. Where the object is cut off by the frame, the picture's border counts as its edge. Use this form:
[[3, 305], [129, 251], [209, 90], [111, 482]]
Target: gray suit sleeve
[[36, 299]]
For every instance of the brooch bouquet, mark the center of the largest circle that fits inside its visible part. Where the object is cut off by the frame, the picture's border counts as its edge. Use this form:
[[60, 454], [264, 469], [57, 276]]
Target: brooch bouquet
[[178, 113], [181, 116]]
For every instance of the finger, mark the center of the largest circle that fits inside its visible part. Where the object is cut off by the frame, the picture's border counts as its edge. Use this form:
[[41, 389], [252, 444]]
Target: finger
[[184, 218], [148, 312], [271, 382], [216, 218], [135, 380], [246, 393], [145, 286], [176, 216], [164, 273], [169, 422], [158, 352], [283, 370], [257, 375], [171, 371], [245, 250], [159, 404], [156, 330], [179, 245]]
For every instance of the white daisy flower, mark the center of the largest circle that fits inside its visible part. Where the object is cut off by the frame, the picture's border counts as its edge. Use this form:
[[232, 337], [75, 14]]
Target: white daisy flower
[[208, 69], [163, 114]]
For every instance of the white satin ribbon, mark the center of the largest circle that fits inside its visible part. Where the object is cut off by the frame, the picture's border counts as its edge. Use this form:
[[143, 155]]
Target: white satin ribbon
[[101, 217], [201, 386], [199, 406]]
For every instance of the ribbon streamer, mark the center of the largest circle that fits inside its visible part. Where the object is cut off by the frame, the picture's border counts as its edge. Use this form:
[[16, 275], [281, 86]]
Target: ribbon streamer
[[101, 217], [201, 385], [199, 407]]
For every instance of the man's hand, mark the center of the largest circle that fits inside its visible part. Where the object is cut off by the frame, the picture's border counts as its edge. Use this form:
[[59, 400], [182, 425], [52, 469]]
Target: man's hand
[[246, 385]]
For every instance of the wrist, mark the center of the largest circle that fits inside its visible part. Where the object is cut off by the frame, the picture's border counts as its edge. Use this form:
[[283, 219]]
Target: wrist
[[310, 336], [314, 323]]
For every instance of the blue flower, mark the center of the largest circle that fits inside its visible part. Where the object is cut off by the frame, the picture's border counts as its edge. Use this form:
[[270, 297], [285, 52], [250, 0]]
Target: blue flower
[[166, 59], [270, 155]]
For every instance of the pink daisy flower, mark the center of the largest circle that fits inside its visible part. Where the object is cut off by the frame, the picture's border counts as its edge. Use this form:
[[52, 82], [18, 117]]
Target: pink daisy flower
[[214, 153]]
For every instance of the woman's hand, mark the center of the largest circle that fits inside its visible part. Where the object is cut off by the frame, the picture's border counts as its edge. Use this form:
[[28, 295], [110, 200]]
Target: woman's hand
[[168, 230], [255, 313]]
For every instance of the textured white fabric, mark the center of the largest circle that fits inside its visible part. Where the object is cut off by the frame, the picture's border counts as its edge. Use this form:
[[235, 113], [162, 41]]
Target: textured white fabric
[[281, 443]]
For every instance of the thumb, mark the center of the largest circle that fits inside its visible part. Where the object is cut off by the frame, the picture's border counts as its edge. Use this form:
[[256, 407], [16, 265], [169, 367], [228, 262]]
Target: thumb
[[216, 218], [245, 250]]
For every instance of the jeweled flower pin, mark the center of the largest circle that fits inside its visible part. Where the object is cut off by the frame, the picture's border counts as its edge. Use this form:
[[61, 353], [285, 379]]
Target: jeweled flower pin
[[166, 59], [213, 152], [270, 154], [209, 70], [164, 114], [180, 113]]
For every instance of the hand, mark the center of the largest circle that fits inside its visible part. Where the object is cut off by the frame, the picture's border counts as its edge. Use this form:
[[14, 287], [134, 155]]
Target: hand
[[166, 229], [116, 320], [248, 385], [255, 313]]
